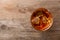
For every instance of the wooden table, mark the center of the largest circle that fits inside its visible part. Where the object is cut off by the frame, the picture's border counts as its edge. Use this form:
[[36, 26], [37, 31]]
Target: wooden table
[[15, 20]]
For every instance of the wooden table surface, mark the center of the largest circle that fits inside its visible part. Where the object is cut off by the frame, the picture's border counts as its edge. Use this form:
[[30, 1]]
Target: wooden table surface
[[15, 20]]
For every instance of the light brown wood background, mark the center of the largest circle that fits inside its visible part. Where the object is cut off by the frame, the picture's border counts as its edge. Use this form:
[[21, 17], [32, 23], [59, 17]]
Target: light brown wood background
[[15, 20]]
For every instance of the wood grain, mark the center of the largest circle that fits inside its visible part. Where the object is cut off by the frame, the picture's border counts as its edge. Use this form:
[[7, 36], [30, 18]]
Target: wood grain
[[15, 20]]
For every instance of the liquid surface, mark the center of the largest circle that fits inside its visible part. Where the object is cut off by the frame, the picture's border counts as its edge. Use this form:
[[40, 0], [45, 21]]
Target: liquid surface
[[40, 19]]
